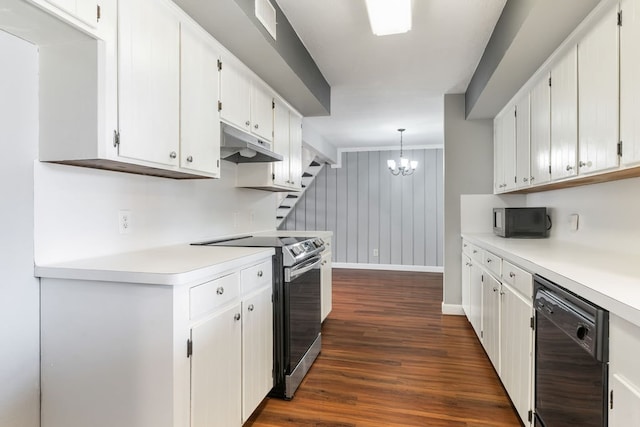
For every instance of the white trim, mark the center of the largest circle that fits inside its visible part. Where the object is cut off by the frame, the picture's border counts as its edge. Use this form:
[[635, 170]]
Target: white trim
[[384, 148], [390, 267], [452, 309]]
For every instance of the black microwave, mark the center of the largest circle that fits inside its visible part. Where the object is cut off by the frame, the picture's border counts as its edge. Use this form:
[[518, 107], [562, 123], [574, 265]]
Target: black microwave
[[520, 222]]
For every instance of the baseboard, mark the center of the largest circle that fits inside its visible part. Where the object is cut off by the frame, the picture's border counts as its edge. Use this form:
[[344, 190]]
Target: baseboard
[[452, 309], [390, 267]]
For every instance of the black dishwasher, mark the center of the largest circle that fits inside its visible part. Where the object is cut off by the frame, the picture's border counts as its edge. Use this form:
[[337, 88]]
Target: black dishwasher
[[572, 343]]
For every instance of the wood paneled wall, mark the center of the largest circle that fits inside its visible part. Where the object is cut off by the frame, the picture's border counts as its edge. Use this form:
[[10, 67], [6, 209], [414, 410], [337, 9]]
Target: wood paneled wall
[[367, 208]]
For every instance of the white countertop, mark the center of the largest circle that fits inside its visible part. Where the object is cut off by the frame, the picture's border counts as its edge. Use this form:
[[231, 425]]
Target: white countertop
[[167, 265], [610, 279]]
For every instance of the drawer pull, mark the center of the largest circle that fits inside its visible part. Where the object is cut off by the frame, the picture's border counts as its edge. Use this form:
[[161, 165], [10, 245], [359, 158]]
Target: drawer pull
[[237, 317], [512, 274], [260, 273], [220, 290], [251, 307], [489, 261], [475, 252]]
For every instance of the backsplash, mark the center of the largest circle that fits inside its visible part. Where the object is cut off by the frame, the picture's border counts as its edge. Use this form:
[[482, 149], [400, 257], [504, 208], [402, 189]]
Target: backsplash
[[77, 210], [608, 214]]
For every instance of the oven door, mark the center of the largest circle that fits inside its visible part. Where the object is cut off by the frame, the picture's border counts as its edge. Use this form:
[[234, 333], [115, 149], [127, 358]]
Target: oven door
[[302, 310]]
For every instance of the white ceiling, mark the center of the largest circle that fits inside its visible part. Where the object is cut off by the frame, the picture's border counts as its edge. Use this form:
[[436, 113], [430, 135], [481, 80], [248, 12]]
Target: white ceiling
[[380, 84]]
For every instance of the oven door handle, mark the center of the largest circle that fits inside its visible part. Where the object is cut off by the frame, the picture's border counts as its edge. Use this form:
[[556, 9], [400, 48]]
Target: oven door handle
[[292, 273]]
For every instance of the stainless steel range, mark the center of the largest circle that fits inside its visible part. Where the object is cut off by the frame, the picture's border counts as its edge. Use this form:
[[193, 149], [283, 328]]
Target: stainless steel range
[[296, 305]]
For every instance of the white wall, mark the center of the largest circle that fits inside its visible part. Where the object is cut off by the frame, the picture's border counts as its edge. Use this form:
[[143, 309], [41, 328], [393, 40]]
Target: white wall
[[19, 291], [77, 210], [468, 169]]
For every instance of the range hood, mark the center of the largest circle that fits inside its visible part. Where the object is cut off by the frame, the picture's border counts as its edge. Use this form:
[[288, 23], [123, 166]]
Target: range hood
[[241, 147]]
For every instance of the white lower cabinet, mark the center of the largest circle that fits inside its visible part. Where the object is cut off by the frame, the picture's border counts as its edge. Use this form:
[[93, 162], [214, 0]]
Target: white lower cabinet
[[140, 355], [624, 376], [326, 286], [500, 309], [216, 370], [491, 319]]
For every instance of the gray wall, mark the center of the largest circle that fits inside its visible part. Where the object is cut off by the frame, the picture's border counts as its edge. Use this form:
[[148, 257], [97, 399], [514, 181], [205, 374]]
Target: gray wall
[[367, 208], [468, 166]]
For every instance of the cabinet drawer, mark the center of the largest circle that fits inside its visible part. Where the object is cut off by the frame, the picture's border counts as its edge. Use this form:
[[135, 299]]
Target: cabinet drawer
[[207, 297], [256, 277], [518, 279], [493, 263], [474, 252]]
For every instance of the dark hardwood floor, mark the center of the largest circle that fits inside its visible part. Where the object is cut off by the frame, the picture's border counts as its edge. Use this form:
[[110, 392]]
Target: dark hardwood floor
[[389, 358]]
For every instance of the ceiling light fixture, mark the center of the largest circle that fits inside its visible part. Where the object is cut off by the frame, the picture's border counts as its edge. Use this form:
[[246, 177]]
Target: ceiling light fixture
[[389, 16], [406, 166]]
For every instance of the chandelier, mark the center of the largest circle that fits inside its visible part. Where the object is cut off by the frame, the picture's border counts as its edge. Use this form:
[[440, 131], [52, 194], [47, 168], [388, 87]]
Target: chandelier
[[406, 166]]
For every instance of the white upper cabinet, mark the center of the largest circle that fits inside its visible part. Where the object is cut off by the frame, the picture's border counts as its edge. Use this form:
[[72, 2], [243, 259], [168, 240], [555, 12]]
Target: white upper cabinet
[[629, 82], [523, 141], [262, 111], [245, 102], [564, 116], [235, 94], [199, 93], [84, 10], [281, 143], [504, 162], [149, 81], [598, 96], [541, 132]]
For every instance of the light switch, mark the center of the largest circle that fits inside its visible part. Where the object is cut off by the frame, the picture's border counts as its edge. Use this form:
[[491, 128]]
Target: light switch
[[573, 222]]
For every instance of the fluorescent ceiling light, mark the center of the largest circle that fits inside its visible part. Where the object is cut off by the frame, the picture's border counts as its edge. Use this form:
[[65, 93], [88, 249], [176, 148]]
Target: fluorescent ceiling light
[[389, 16]]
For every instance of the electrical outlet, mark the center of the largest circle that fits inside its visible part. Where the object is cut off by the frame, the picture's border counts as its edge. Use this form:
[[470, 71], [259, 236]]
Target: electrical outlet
[[375, 252], [125, 224]]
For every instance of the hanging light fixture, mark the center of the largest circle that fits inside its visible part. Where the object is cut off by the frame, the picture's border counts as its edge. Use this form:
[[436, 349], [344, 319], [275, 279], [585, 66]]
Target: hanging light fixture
[[406, 166]]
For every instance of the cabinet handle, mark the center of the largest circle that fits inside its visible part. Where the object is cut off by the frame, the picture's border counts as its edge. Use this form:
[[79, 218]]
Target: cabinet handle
[[173, 155], [237, 317], [569, 167], [489, 261], [260, 273], [190, 159], [464, 246], [525, 179], [495, 289], [475, 251], [512, 274], [532, 178], [501, 293], [256, 126], [248, 123], [220, 290], [250, 308]]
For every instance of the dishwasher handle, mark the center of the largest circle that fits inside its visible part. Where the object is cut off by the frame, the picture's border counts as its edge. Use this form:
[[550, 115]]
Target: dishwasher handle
[[291, 273]]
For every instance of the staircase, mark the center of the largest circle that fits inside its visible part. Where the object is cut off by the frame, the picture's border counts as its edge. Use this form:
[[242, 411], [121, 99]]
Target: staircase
[[287, 201]]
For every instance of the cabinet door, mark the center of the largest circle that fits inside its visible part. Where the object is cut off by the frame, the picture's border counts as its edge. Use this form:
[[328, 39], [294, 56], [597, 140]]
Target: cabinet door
[[466, 283], [625, 410], [235, 94], [281, 143], [541, 132], [498, 154], [199, 117], [216, 370], [325, 285], [523, 135], [295, 150], [509, 150], [257, 350], [516, 349], [491, 319], [475, 298], [149, 81], [261, 111], [564, 116], [598, 96], [629, 82]]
